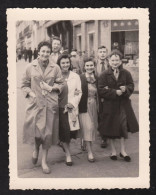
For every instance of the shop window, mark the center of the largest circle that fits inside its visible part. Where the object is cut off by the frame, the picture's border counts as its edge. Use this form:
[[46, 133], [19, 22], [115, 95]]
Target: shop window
[[128, 43]]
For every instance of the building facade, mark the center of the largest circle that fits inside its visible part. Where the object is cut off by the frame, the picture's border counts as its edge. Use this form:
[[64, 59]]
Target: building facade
[[83, 35]]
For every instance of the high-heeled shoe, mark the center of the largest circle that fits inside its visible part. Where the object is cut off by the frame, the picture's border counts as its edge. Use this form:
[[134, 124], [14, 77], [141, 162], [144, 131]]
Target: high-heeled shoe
[[113, 157], [126, 158], [46, 171], [69, 163], [91, 160]]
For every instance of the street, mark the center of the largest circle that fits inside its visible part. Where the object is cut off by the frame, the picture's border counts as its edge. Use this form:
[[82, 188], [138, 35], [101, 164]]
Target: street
[[103, 166]]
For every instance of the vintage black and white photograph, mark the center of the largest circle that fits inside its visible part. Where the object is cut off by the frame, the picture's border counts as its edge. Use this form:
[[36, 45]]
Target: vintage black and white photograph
[[79, 92]]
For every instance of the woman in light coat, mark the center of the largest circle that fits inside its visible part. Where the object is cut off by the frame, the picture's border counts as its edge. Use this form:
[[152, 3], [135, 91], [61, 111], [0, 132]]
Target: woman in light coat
[[68, 105], [41, 91]]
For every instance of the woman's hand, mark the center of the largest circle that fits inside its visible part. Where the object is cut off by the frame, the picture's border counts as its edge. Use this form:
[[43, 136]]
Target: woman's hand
[[119, 92], [123, 88], [45, 86], [77, 92], [32, 94]]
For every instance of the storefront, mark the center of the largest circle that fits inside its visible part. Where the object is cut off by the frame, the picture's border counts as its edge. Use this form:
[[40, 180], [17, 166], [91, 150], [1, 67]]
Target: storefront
[[64, 30], [125, 35]]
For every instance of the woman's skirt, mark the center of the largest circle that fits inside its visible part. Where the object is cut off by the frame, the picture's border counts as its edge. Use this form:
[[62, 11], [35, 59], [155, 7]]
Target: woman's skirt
[[89, 121], [64, 128]]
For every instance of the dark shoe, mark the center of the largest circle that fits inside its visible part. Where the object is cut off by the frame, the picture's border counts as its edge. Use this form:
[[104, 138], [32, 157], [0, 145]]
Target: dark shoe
[[126, 158], [61, 146], [104, 144], [113, 157], [69, 163], [46, 171], [91, 160], [34, 160]]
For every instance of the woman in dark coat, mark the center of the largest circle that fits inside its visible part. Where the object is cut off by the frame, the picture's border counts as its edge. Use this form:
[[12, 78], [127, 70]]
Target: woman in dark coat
[[117, 119], [88, 106]]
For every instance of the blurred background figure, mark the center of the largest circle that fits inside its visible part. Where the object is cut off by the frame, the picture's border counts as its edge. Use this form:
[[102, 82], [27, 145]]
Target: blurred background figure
[[81, 61], [75, 62], [30, 54], [19, 54], [35, 53], [56, 47], [25, 53]]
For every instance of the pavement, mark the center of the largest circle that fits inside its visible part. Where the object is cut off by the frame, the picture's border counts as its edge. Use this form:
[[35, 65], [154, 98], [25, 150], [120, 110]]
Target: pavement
[[102, 167]]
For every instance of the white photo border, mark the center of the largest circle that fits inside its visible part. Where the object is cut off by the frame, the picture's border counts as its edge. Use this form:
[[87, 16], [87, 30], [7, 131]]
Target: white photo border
[[142, 14]]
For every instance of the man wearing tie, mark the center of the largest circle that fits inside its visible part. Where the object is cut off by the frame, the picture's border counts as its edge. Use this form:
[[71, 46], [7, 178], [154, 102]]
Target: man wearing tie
[[102, 62], [101, 65]]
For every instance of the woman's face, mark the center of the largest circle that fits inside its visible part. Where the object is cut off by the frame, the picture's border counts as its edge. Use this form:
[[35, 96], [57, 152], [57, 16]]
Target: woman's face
[[89, 67], [44, 53], [115, 61], [65, 64]]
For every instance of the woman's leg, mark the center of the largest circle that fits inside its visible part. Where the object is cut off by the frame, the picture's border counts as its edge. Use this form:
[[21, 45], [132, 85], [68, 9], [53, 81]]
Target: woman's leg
[[45, 167], [35, 152], [89, 149], [67, 151], [122, 143], [112, 144]]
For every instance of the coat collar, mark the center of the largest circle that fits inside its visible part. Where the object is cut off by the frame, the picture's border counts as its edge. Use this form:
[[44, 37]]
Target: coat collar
[[110, 72], [36, 65]]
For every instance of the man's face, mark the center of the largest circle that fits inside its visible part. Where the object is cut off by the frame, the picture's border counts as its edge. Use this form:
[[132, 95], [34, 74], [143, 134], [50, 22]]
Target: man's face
[[56, 46], [102, 53], [73, 54], [115, 61]]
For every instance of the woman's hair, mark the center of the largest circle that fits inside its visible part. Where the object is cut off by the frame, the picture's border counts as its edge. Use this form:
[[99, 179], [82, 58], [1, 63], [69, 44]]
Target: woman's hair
[[44, 43], [116, 52], [89, 59], [65, 56]]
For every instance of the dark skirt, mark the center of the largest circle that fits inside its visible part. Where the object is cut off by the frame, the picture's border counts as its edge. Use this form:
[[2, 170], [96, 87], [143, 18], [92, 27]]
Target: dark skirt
[[122, 125], [64, 128]]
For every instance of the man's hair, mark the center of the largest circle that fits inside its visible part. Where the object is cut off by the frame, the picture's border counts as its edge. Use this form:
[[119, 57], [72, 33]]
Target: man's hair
[[116, 52], [44, 43], [102, 47], [56, 38], [65, 56]]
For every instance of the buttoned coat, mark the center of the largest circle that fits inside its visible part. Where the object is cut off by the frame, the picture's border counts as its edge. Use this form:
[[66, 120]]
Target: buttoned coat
[[41, 117], [110, 117]]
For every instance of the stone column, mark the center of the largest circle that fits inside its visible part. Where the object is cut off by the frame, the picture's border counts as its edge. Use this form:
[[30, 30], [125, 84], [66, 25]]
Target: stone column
[[106, 34], [83, 37]]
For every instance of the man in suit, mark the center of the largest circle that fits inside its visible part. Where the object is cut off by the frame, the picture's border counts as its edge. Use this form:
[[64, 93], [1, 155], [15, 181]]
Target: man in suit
[[56, 47], [101, 65], [102, 61]]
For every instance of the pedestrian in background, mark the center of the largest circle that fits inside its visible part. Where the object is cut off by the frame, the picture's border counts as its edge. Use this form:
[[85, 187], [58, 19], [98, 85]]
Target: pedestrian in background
[[35, 53], [30, 54], [25, 52], [118, 118], [75, 62], [81, 61], [88, 107], [56, 47], [41, 91], [68, 105]]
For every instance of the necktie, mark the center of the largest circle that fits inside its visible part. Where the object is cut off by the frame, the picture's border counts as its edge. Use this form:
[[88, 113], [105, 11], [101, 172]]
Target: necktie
[[116, 73], [102, 66]]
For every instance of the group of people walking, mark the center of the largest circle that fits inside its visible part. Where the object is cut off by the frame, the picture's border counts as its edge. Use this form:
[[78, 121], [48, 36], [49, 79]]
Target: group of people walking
[[63, 104]]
